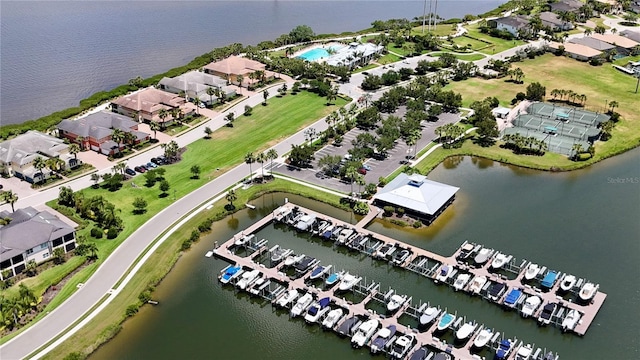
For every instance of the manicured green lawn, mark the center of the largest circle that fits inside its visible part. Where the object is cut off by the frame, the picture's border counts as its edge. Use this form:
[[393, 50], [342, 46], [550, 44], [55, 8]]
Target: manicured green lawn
[[440, 30], [388, 58], [465, 41], [266, 126], [109, 321], [398, 50], [465, 57], [365, 68], [498, 44]]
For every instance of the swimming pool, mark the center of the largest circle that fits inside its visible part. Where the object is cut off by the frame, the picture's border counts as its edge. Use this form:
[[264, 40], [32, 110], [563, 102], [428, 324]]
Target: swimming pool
[[317, 53]]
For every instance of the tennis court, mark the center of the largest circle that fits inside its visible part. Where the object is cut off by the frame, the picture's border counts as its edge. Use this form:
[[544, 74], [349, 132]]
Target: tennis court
[[565, 113], [557, 144], [557, 127]]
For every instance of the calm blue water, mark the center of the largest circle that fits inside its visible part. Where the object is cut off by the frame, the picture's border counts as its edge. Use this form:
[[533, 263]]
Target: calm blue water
[[56, 53]]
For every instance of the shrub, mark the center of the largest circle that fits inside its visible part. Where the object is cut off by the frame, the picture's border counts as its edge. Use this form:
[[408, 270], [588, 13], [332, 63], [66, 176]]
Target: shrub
[[186, 245], [400, 211], [361, 208], [144, 296], [97, 233], [205, 225], [132, 310], [417, 224], [195, 236], [112, 233], [388, 210]]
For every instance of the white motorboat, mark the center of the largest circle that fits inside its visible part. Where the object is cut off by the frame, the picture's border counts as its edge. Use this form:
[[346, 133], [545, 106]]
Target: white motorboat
[[244, 240], [333, 278], [402, 345], [482, 256], [461, 281], [477, 284], [500, 260], [348, 281], [327, 232], [482, 339], [381, 338], [301, 305], [278, 254], [364, 333], [288, 298], [248, 278], [230, 273], [400, 257], [344, 235], [571, 320], [332, 318], [305, 222], [281, 213], [293, 259], [430, 314], [444, 273], [530, 305], [395, 302], [257, 285], [317, 309], [532, 271], [385, 251], [524, 352], [465, 331], [588, 291], [568, 282]]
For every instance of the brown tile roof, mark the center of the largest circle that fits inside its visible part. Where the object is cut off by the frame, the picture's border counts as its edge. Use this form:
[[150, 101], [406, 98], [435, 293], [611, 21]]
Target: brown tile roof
[[149, 100], [577, 49], [235, 65], [618, 40]]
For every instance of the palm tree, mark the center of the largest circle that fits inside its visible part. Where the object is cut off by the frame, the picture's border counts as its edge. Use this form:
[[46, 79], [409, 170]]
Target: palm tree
[[351, 174], [577, 149], [261, 158], [11, 198], [80, 141], [207, 132], [240, 79], [39, 163], [95, 178], [265, 95], [162, 114], [272, 154], [588, 32], [118, 136], [249, 158], [74, 149], [211, 91], [154, 126], [231, 197], [612, 105]]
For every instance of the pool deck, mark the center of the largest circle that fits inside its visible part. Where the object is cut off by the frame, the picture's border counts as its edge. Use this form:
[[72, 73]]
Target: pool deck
[[588, 311]]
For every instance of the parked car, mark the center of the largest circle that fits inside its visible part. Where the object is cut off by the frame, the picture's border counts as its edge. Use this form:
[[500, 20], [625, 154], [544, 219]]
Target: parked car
[[362, 171], [130, 172], [202, 105], [139, 169], [151, 165], [366, 167], [157, 161]]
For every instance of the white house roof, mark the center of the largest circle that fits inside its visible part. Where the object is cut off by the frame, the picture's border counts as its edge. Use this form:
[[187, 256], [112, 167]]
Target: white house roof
[[417, 193]]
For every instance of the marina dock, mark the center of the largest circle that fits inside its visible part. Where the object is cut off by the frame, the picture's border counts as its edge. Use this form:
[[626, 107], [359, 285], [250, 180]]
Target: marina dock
[[420, 261]]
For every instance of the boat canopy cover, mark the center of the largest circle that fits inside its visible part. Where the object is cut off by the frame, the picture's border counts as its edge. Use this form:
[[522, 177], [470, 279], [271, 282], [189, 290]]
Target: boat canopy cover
[[324, 301], [513, 296], [313, 310], [549, 279]]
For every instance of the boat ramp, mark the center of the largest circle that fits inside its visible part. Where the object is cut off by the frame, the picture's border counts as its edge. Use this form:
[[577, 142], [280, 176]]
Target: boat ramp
[[273, 283]]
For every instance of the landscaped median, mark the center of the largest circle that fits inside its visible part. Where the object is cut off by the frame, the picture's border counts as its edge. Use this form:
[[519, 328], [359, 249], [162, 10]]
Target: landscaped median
[[266, 126], [109, 321]]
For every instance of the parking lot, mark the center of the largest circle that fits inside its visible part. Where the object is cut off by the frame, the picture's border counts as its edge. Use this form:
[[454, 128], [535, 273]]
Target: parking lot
[[396, 157]]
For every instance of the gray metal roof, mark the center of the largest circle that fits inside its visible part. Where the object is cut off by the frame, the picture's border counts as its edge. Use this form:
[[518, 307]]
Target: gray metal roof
[[98, 125], [29, 228], [26, 147], [593, 43], [417, 193]]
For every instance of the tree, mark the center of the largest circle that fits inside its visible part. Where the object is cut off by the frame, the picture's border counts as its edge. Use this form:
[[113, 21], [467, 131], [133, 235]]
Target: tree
[[412, 140], [196, 102], [140, 205], [162, 114], [65, 196], [329, 162], [261, 158], [88, 249], [31, 268], [96, 179], [211, 91], [207, 132], [195, 171], [301, 33], [248, 110], [599, 29], [240, 79], [351, 174], [265, 96], [154, 126], [74, 149], [576, 151], [487, 129], [11, 198], [164, 187], [536, 92], [230, 118], [332, 95], [39, 163], [272, 154], [170, 149], [249, 158], [231, 197], [301, 155], [612, 105], [118, 136], [55, 164]]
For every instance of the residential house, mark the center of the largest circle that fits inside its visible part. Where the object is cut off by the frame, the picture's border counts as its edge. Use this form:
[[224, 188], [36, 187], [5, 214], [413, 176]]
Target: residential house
[[516, 25], [95, 131], [32, 235], [593, 43], [18, 154], [146, 104], [633, 35], [355, 54], [566, 5], [554, 22], [195, 84], [418, 196], [576, 51], [233, 66], [623, 45]]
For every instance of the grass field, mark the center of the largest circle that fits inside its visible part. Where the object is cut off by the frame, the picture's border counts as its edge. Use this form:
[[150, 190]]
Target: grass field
[[465, 57], [440, 30], [465, 41], [388, 58], [265, 127], [109, 321], [498, 44]]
